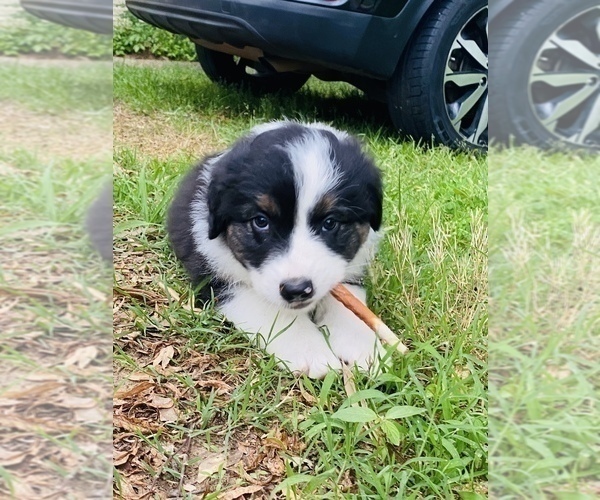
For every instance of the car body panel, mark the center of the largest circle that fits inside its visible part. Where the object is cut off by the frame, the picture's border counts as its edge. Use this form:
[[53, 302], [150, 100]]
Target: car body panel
[[306, 32], [89, 15]]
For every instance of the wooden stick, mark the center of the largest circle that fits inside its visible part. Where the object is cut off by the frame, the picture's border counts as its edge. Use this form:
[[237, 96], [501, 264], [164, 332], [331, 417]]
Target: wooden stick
[[349, 300]]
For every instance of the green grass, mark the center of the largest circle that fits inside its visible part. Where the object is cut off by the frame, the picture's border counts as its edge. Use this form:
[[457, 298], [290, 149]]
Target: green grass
[[24, 34], [50, 280], [428, 283], [544, 342], [184, 94], [85, 88], [54, 289], [42, 189]]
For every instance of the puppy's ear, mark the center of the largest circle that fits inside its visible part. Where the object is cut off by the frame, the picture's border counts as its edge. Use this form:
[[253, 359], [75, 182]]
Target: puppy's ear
[[217, 219], [374, 193], [222, 189], [375, 196], [366, 185]]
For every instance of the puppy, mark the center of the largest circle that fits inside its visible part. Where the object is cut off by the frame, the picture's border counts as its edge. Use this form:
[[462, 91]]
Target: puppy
[[271, 225]]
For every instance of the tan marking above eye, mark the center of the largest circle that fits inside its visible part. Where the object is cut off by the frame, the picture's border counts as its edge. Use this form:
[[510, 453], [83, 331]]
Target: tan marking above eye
[[326, 204], [268, 205]]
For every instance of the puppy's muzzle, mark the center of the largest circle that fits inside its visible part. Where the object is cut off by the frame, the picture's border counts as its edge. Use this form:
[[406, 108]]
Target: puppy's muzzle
[[296, 290]]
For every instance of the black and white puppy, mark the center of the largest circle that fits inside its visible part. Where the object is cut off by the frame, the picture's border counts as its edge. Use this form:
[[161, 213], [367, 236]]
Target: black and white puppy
[[273, 224]]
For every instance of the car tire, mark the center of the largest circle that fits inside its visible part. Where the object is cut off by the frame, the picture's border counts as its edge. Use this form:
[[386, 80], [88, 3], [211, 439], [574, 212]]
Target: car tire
[[439, 89], [227, 69], [536, 82]]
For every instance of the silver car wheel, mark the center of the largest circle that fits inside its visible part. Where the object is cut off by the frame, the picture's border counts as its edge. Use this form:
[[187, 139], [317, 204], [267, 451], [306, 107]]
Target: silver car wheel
[[564, 82], [466, 80]]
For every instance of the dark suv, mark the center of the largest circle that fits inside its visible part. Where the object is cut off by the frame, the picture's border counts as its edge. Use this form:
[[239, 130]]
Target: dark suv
[[428, 59]]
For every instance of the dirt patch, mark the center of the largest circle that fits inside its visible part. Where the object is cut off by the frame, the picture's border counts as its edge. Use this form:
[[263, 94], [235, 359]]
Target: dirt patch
[[157, 136], [152, 61], [70, 135]]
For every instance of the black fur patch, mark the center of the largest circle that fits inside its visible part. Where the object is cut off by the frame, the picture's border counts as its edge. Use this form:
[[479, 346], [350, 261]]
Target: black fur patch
[[179, 228], [356, 201], [256, 169]]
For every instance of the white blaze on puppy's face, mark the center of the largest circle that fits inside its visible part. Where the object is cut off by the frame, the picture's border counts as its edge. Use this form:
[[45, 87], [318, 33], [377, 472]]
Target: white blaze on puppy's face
[[307, 260], [307, 257]]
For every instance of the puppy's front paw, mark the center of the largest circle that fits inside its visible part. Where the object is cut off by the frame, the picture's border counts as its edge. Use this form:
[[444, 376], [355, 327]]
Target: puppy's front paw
[[356, 344], [351, 339], [312, 357]]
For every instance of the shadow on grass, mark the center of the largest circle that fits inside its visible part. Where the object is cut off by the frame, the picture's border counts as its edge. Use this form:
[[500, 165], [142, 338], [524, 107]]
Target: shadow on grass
[[185, 87]]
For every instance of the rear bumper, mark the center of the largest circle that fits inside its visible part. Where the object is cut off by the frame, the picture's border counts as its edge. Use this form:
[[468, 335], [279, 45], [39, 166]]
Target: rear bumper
[[89, 15], [298, 31]]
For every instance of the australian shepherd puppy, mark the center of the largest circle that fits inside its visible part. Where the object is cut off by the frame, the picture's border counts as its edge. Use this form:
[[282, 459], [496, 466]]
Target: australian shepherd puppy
[[271, 225]]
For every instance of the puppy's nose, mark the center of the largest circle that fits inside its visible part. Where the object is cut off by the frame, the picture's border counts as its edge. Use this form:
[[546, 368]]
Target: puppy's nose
[[296, 289]]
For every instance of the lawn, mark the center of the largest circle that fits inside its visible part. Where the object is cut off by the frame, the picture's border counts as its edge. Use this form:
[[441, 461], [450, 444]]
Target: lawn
[[544, 317], [55, 317], [199, 411]]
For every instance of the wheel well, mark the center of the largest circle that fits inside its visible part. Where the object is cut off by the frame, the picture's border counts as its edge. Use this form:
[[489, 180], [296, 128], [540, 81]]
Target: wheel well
[[423, 11]]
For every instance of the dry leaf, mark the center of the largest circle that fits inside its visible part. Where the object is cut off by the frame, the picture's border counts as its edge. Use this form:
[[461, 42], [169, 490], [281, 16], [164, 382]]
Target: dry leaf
[[91, 415], [8, 457], [120, 457], [164, 357], [275, 443], [134, 425], [69, 401], [82, 357], [160, 402], [39, 376], [132, 446], [238, 492], [275, 465], [209, 465], [309, 398], [8, 402], [172, 294], [124, 394], [349, 382], [222, 387], [23, 490], [462, 372], [168, 414], [96, 294], [34, 390], [32, 425], [558, 372]]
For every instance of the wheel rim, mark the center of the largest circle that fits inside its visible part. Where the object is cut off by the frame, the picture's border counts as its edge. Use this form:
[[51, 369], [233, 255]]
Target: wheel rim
[[466, 80], [564, 82]]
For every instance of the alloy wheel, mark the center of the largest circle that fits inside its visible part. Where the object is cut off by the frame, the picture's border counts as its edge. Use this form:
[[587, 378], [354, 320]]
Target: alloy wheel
[[466, 80], [564, 82]]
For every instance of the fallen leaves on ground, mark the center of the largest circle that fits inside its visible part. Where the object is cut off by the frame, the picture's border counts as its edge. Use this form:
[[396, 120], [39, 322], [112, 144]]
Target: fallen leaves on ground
[[161, 449], [55, 370]]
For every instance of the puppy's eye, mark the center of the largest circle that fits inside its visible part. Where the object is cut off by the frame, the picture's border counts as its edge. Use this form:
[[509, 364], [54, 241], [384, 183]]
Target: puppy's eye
[[329, 224], [260, 223]]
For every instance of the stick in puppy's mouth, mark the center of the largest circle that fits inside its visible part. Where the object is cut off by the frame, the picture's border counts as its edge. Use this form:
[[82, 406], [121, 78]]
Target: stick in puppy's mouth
[[341, 293]]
